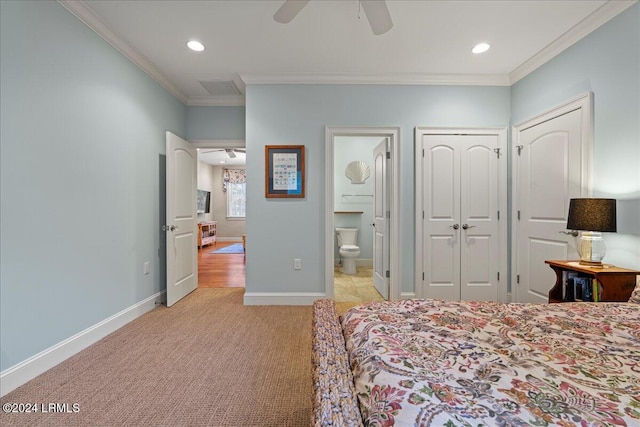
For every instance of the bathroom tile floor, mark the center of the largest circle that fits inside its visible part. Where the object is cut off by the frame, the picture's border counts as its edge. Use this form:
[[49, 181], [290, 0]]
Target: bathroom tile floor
[[354, 289]]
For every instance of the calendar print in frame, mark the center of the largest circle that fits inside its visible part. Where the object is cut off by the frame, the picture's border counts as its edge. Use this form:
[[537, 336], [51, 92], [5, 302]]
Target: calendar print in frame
[[284, 171]]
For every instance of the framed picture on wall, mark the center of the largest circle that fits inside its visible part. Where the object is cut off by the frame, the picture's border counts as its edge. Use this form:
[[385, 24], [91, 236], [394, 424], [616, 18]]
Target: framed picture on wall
[[284, 171]]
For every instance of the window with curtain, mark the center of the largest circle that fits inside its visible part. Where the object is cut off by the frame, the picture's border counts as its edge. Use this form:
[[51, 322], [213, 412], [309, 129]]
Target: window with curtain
[[234, 184]]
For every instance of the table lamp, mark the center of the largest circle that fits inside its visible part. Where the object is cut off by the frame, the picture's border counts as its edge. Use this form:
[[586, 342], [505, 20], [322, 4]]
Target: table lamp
[[592, 217]]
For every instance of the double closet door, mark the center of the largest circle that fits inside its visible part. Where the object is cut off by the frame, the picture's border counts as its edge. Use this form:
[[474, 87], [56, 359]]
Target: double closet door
[[460, 224]]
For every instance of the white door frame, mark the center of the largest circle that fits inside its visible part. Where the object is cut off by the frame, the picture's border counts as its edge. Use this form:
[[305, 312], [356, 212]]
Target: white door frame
[[503, 244], [393, 133], [584, 102]]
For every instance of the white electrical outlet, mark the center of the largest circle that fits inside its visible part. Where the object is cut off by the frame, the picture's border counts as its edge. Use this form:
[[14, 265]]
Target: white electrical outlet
[[297, 264], [147, 267]]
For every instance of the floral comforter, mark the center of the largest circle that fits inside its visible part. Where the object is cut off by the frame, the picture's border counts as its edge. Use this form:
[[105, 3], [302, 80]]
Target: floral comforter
[[443, 363]]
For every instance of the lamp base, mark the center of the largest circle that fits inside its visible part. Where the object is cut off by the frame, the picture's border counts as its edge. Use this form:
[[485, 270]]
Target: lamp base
[[591, 248]]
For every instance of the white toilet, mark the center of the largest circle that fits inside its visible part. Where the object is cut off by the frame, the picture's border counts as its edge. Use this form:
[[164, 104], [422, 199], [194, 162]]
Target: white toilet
[[349, 251]]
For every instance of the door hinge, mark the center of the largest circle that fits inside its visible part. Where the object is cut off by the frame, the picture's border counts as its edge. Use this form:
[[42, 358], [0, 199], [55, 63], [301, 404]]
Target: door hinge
[[497, 151], [387, 274], [422, 214], [388, 154], [517, 278], [423, 276], [423, 152], [518, 215], [498, 276], [519, 147], [388, 214], [498, 215]]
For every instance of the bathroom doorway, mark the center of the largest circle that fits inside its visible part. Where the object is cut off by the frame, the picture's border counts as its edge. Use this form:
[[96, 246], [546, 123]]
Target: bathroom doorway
[[351, 182]]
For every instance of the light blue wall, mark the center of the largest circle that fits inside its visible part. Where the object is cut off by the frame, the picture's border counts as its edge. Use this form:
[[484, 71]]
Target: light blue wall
[[607, 63], [295, 114], [82, 134], [211, 123]]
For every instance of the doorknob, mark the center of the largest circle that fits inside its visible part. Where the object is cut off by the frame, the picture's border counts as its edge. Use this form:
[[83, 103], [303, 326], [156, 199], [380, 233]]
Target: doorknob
[[455, 226], [467, 226], [573, 233]]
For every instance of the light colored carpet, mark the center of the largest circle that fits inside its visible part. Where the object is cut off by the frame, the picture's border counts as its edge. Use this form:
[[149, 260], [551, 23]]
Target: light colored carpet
[[207, 361]]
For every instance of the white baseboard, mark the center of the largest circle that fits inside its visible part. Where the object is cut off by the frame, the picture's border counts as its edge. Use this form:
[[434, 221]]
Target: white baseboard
[[281, 298], [407, 295], [19, 374]]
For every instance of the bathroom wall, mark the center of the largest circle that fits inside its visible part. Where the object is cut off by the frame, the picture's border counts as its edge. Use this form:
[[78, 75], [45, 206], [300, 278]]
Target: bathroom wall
[[347, 150]]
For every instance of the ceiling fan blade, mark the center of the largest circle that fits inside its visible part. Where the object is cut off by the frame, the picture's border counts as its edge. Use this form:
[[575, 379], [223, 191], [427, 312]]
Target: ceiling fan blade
[[289, 10], [378, 16], [240, 150], [230, 153]]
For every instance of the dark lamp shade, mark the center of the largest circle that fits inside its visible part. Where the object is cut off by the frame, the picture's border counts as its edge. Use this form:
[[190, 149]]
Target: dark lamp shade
[[592, 215]]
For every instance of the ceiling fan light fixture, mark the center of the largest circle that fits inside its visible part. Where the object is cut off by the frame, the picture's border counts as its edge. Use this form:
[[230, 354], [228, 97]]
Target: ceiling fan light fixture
[[481, 48], [195, 45]]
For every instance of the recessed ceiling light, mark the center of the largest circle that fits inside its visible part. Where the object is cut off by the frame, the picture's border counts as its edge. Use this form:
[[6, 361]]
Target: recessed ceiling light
[[195, 45], [481, 47]]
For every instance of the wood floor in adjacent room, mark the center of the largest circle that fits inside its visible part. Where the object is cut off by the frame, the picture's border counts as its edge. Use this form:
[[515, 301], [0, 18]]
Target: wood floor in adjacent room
[[220, 270]]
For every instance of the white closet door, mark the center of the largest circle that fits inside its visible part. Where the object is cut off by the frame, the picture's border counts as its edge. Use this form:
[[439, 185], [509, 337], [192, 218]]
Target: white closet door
[[441, 236], [460, 226], [479, 257]]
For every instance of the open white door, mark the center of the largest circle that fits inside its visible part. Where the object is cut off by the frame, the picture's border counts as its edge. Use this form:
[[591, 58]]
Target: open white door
[[380, 220], [549, 170], [181, 228]]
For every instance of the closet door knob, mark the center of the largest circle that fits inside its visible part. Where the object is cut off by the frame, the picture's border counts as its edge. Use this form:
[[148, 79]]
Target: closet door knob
[[467, 226], [455, 226]]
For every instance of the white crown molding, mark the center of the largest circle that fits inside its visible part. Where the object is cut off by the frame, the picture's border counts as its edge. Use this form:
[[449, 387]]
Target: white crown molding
[[379, 79], [85, 14], [592, 22], [216, 101]]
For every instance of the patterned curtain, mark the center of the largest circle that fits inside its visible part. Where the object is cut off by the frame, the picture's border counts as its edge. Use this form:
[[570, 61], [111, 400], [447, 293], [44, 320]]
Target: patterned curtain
[[233, 176]]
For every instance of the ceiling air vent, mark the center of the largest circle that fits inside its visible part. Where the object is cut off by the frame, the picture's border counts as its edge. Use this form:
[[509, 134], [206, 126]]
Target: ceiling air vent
[[221, 88]]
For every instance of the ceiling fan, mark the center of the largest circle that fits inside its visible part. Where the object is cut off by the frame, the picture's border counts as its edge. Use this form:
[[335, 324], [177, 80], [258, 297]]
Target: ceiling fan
[[231, 152], [376, 11]]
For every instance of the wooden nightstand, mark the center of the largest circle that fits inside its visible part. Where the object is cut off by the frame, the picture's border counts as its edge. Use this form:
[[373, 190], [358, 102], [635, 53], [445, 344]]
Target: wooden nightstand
[[617, 283]]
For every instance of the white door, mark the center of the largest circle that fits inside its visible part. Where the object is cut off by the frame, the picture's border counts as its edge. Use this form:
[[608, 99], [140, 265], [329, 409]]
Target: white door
[[460, 210], [548, 173], [182, 259], [380, 220]]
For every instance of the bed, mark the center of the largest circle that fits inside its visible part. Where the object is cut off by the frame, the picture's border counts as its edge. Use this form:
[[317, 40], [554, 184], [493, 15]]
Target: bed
[[445, 363]]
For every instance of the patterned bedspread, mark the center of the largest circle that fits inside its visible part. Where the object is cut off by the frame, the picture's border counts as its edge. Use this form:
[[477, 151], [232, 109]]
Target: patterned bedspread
[[443, 363]]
